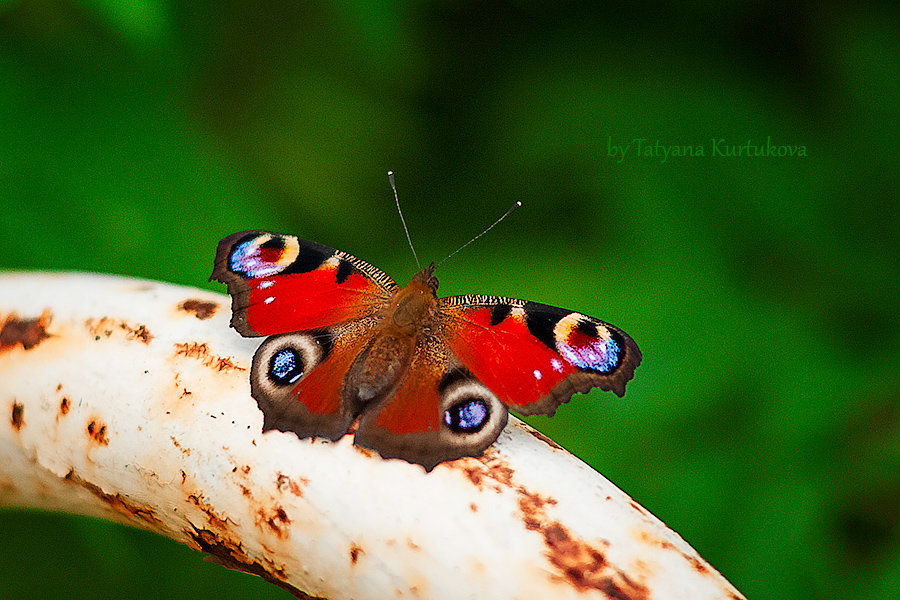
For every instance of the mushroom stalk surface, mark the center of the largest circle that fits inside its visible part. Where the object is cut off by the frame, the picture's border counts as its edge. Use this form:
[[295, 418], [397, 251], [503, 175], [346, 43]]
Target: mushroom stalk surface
[[130, 400]]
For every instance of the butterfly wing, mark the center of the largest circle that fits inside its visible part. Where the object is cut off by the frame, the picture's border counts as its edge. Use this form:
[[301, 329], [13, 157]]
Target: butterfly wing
[[534, 356], [439, 412], [474, 357], [280, 283], [482, 354], [318, 306]]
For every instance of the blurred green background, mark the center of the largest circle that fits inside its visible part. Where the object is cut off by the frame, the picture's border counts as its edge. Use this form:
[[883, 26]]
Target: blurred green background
[[764, 423]]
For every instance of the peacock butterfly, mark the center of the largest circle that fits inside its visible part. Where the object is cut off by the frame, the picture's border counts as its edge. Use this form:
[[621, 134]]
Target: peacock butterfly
[[430, 379]]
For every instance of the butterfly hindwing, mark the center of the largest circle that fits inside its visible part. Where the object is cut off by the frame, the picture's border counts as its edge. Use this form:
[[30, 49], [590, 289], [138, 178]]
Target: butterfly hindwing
[[441, 412], [535, 356], [297, 380], [280, 283]]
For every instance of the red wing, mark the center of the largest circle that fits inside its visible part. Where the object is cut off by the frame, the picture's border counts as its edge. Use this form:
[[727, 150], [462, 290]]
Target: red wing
[[279, 283], [535, 356], [438, 412]]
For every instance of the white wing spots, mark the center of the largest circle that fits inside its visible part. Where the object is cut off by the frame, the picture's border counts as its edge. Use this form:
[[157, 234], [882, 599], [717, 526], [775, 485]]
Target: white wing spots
[[537, 374], [266, 284], [269, 300], [556, 364]]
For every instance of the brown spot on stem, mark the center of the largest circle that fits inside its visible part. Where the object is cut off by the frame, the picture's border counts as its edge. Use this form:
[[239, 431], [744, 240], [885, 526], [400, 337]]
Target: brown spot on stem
[[365, 451], [486, 470], [177, 444], [201, 352], [228, 552], [201, 308], [97, 431], [538, 435], [118, 502], [355, 551], [141, 333], [25, 332], [106, 327], [286, 483], [643, 511], [580, 563], [532, 507], [276, 520], [650, 539], [212, 517], [17, 418], [64, 406]]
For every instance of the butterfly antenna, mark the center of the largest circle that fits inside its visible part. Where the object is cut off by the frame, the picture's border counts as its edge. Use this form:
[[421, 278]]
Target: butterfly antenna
[[515, 205], [402, 220]]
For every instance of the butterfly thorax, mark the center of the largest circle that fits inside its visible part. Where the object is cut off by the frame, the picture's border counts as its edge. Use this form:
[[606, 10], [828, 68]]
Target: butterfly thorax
[[412, 305]]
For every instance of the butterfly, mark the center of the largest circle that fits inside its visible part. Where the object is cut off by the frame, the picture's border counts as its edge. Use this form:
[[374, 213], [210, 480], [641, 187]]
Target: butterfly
[[428, 379]]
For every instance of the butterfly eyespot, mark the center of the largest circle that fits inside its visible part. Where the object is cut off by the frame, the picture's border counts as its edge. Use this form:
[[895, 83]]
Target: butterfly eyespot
[[592, 352], [263, 255], [467, 416], [284, 360], [470, 408], [286, 366]]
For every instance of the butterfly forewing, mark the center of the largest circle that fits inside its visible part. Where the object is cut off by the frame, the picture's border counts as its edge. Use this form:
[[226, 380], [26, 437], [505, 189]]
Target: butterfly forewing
[[279, 283], [535, 356]]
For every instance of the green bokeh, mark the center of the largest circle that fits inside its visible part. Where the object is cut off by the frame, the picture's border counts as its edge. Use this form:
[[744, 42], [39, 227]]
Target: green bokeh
[[764, 424]]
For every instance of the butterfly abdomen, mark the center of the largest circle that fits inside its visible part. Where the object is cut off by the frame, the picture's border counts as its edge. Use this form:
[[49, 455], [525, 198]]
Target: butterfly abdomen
[[378, 368]]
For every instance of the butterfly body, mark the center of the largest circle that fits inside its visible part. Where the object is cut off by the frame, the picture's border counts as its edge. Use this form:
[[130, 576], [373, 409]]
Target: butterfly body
[[386, 358], [429, 379]]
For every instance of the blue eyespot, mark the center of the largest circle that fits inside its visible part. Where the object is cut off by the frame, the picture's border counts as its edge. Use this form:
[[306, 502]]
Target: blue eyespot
[[244, 259], [285, 367], [467, 416], [263, 255], [596, 355]]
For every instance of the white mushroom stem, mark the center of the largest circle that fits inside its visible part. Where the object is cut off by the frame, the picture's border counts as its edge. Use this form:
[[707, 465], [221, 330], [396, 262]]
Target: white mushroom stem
[[130, 400]]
